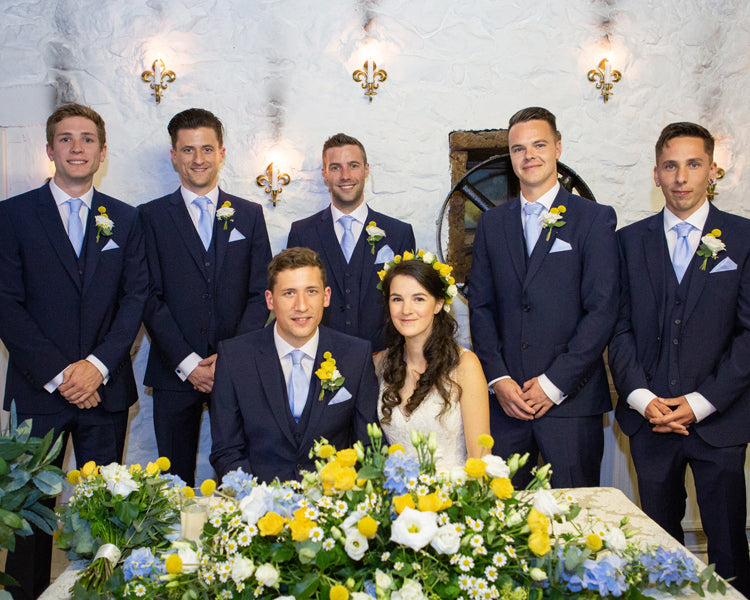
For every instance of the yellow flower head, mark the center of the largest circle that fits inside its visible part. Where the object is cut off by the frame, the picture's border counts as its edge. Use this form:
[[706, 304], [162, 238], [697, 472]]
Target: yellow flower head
[[345, 479], [539, 543], [420, 253], [475, 467], [429, 503], [371, 224], [381, 274], [397, 259], [188, 492], [102, 211], [89, 469], [327, 355], [395, 448], [325, 451], [74, 477], [561, 209], [593, 542], [135, 468], [367, 526], [715, 233], [485, 441], [402, 502], [408, 255], [152, 468], [554, 210], [347, 458], [300, 528], [163, 463], [502, 487], [227, 204], [329, 471], [450, 280], [270, 524], [208, 487], [338, 592], [173, 564], [538, 522], [445, 270]]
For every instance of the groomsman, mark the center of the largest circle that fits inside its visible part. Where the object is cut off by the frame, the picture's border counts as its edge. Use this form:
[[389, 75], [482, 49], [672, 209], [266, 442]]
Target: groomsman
[[681, 349], [543, 283], [353, 242], [207, 254], [73, 281]]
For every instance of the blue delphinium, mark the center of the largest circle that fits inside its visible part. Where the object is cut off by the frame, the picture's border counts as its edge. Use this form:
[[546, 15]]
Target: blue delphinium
[[239, 482], [668, 566], [399, 469], [369, 588], [605, 575], [174, 481], [140, 563]]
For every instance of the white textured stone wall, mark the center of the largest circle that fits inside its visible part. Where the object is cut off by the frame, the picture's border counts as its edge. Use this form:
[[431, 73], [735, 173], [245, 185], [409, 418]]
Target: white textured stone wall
[[279, 75]]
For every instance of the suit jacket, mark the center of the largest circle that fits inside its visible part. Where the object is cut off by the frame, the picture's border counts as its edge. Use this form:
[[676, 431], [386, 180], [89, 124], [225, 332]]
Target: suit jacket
[[553, 312], [316, 232], [51, 316], [182, 295], [714, 357], [251, 422]]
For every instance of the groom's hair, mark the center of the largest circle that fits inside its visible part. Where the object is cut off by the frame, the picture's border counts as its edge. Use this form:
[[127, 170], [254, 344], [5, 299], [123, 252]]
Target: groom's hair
[[294, 258], [685, 129]]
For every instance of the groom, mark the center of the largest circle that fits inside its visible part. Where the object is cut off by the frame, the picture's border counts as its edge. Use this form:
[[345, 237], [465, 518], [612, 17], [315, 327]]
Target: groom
[[271, 398]]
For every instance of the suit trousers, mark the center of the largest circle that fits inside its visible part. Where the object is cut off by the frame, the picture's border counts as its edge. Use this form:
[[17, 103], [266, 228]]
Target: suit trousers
[[660, 461], [177, 423]]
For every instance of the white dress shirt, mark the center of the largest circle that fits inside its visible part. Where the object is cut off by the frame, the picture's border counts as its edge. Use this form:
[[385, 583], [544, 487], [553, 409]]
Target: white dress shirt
[[284, 350]]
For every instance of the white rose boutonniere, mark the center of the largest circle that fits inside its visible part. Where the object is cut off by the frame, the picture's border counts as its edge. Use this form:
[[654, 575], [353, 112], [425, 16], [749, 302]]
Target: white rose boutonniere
[[104, 225], [225, 213], [330, 377], [552, 218], [710, 246], [374, 235]]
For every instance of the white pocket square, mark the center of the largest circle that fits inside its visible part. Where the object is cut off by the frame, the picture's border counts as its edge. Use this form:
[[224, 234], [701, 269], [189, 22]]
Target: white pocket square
[[725, 265], [385, 254], [341, 396], [110, 245], [560, 246], [235, 236]]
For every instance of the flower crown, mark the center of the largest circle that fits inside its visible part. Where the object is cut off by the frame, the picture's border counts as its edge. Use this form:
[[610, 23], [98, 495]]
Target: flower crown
[[449, 283]]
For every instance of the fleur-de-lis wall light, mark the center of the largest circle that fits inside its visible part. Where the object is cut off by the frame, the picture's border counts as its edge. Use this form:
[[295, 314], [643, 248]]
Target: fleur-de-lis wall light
[[368, 76], [605, 77], [158, 77], [711, 192], [273, 179]]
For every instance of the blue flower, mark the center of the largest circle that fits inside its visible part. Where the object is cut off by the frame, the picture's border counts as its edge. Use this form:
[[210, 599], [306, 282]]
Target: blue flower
[[369, 588], [174, 481], [399, 469], [239, 482], [139, 563], [668, 566], [605, 575]]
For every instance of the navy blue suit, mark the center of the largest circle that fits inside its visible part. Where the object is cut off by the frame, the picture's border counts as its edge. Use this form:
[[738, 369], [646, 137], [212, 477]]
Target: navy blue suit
[[56, 309], [550, 313], [252, 425], [196, 299], [357, 306], [693, 337]]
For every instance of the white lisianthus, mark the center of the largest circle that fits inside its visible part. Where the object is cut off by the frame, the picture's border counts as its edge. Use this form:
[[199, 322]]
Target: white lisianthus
[[335, 375], [615, 540], [547, 218], [382, 580], [411, 590], [714, 244], [188, 556], [242, 568], [374, 230], [104, 222], [355, 544], [545, 503], [428, 257], [118, 480], [538, 574], [447, 540], [414, 528], [267, 575], [256, 504], [225, 212], [496, 466]]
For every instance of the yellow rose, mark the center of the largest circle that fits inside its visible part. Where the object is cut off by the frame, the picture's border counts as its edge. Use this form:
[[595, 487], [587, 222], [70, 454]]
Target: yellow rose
[[397, 259], [328, 488], [408, 255], [347, 458], [429, 503], [345, 479], [539, 543], [173, 564], [163, 463], [152, 468], [420, 253], [450, 280], [135, 468], [485, 441], [381, 274], [89, 469], [395, 448], [445, 270], [208, 487], [74, 477], [270, 524], [338, 592], [537, 521], [300, 529], [326, 451], [329, 471], [593, 542], [502, 487], [367, 526], [475, 467], [402, 502]]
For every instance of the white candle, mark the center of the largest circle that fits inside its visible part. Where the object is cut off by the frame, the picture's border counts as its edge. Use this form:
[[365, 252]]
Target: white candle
[[607, 71], [192, 519], [274, 177], [369, 71]]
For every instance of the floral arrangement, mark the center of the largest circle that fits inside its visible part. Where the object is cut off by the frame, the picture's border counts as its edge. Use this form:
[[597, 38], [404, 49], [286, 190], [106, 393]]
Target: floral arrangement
[[374, 235], [552, 218], [449, 283], [330, 377], [113, 511], [225, 213], [710, 246], [104, 225], [27, 476], [377, 523]]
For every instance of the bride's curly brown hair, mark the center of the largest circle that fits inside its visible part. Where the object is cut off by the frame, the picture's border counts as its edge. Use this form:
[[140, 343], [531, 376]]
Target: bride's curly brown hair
[[440, 350]]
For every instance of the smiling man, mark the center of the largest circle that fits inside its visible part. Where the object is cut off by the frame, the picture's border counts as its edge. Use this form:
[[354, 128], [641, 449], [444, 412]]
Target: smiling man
[[681, 349], [352, 255], [73, 281], [542, 287], [274, 395], [207, 255]]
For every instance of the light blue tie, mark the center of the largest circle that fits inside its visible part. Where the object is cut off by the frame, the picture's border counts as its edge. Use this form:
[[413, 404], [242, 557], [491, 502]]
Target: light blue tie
[[681, 256], [297, 386], [531, 226], [205, 224], [75, 229], [347, 240]]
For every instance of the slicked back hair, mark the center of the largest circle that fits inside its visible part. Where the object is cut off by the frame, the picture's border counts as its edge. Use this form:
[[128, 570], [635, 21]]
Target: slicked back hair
[[193, 118]]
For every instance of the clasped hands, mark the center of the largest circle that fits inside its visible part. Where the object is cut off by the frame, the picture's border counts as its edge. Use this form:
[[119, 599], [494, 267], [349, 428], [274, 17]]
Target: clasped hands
[[670, 415], [81, 380], [524, 403], [202, 377]]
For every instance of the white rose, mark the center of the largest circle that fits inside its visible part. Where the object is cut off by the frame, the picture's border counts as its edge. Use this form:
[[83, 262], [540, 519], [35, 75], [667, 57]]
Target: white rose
[[189, 558], [452, 290], [447, 540], [414, 528], [545, 503], [267, 575], [242, 568], [411, 590], [538, 574], [355, 544], [256, 504], [224, 211], [105, 222], [374, 230], [382, 580], [715, 245], [428, 257], [615, 540], [513, 519], [496, 466]]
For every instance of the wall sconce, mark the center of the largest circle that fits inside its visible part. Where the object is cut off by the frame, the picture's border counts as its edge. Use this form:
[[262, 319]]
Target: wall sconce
[[159, 76], [368, 77], [273, 179], [605, 77], [711, 192]]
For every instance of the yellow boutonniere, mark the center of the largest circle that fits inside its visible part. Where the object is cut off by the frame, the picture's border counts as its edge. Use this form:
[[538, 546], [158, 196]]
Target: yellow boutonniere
[[710, 246], [375, 234], [330, 377], [104, 225], [225, 213], [552, 219]]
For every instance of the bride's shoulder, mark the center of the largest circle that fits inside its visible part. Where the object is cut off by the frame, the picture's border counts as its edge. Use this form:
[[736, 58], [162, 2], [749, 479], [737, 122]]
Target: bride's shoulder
[[468, 362]]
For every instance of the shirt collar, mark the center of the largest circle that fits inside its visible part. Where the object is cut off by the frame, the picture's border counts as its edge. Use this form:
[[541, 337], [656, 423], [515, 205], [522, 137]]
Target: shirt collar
[[359, 214], [310, 347], [189, 196], [545, 199], [697, 219], [61, 197]]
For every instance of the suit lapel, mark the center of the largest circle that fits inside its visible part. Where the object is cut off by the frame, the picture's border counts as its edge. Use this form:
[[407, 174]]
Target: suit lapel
[[543, 243], [654, 250], [272, 380], [317, 407], [698, 276], [514, 238], [331, 248], [93, 250], [221, 235], [184, 225], [49, 217]]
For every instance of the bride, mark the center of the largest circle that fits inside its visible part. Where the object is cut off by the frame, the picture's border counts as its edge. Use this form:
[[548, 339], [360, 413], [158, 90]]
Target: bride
[[427, 381]]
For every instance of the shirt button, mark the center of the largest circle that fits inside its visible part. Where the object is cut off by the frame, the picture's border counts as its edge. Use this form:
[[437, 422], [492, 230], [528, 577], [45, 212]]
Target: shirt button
[[348, 291], [675, 341], [207, 264], [525, 345], [677, 321], [673, 382], [526, 308]]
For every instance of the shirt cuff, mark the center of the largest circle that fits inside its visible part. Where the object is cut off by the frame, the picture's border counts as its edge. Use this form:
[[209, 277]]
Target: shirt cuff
[[489, 385], [639, 399], [553, 392], [700, 405], [100, 366], [187, 366], [53, 383]]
